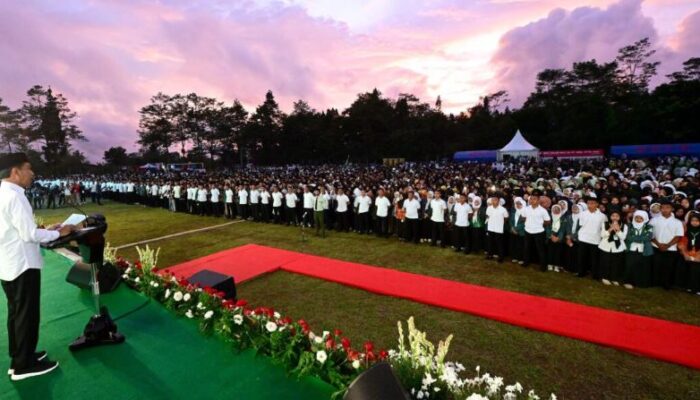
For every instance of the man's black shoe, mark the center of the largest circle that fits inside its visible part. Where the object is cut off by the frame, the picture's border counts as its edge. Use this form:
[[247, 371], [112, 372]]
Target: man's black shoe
[[39, 355], [39, 368]]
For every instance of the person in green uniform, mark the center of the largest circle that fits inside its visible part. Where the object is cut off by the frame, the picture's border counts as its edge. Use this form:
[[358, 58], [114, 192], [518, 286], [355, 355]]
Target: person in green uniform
[[639, 251], [477, 226], [556, 238], [320, 204], [690, 248], [517, 230]]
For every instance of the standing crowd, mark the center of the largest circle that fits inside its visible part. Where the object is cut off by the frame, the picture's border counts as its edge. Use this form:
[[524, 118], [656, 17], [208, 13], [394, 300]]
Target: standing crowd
[[633, 223]]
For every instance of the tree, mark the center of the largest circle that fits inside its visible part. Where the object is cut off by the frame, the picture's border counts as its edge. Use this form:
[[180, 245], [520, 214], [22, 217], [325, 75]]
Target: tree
[[116, 156], [48, 120], [634, 68], [262, 133], [156, 129], [12, 134]]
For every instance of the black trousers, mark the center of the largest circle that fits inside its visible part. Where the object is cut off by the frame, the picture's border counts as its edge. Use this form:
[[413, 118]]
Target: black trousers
[[363, 222], [461, 239], [664, 268], [534, 242], [291, 215], [277, 214], [412, 229], [587, 260], [496, 244], [382, 228], [342, 219], [437, 233], [23, 317]]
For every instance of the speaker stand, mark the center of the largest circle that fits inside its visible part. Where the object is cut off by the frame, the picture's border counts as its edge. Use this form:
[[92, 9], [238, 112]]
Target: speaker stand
[[101, 329]]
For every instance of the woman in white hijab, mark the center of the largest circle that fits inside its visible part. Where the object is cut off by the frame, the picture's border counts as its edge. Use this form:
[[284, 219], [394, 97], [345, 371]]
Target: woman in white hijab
[[639, 251], [477, 225]]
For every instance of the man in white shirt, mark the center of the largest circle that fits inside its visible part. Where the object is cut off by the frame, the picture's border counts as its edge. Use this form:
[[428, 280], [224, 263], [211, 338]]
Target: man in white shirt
[[668, 231], [242, 202], [497, 216], [462, 212], [411, 206], [341, 210], [363, 202], [291, 200], [20, 267], [215, 202], [264, 204], [202, 200], [277, 198], [308, 213], [228, 202], [590, 224], [177, 196], [536, 217], [438, 207], [254, 203], [382, 204]]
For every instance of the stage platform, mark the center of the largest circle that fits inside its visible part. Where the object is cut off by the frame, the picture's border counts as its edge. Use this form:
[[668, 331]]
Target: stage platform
[[164, 357]]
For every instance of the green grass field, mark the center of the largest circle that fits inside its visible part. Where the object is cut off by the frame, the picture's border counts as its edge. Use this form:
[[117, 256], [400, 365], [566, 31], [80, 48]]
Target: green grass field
[[548, 363]]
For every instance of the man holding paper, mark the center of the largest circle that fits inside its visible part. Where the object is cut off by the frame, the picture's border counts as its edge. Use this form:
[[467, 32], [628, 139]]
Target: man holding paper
[[20, 266]]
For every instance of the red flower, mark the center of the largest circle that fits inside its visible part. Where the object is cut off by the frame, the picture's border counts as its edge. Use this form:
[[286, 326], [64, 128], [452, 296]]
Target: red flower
[[304, 326], [285, 321], [330, 343], [346, 343], [183, 282], [228, 304], [241, 303], [292, 331], [383, 355], [370, 356], [138, 265], [369, 346], [246, 312], [338, 332], [353, 355]]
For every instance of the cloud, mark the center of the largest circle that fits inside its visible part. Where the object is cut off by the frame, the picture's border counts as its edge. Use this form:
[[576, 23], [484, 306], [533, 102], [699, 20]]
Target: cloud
[[564, 37]]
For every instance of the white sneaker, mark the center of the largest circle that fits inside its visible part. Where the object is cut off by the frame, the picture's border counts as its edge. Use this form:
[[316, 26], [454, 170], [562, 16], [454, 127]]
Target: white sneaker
[[41, 368], [605, 282], [628, 286], [550, 268], [40, 355], [616, 283]]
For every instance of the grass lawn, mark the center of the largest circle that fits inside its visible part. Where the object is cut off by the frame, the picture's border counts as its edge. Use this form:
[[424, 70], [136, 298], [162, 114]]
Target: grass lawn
[[548, 363]]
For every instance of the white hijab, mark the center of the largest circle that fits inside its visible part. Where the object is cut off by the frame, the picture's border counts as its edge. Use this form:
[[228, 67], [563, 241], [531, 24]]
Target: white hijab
[[639, 225]]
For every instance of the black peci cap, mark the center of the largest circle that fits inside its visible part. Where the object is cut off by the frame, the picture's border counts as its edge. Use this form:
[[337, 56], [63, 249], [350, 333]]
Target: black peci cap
[[12, 160]]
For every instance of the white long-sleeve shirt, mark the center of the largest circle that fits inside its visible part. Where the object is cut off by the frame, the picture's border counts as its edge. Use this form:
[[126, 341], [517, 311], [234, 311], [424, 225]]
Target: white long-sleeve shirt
[[19, 235]]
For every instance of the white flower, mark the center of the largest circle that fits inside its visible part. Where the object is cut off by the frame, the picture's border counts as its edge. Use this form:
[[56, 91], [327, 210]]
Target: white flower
[[127, 270], [167, 293], [174, 279], [271, 326], [189, 314], [532, 396], [552, 397], [321, 356], [277, 315], [476, 396], [356, 364], [428, 380], [208, 314], [238, 319], [200, 306], [137, 280], [177, 296], [325, 334], [155, 284], [187, 297], [125, 276], [318, 339]]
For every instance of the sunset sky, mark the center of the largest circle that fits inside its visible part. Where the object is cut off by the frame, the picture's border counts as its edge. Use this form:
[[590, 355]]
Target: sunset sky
[[109, 57]]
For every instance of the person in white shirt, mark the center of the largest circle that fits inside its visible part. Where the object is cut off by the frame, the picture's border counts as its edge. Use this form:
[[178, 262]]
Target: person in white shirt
[[438, 207], [495, 228], [202, 200], [264, 204], [590, 223], [363, 203], [255, 203], [291, 200], [462, 212], [668, 231], [228, 202], [309, 200], [382, 204], [191, 198], [242, 202], [319, 208], [411, 206], [20, 267], [536, 217], [612, 248], [177, 196], [214, 200], [341, 210], [277, 198]]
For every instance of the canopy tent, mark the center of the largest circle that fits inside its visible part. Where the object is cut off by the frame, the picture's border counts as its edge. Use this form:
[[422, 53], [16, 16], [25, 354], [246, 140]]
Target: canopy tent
[[518, 147]]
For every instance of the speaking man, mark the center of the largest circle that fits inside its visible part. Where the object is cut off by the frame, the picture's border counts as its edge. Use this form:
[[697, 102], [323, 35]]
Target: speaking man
[[20, 267]]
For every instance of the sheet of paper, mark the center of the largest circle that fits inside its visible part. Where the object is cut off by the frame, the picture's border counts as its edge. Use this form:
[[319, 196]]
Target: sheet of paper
[[74, 219]]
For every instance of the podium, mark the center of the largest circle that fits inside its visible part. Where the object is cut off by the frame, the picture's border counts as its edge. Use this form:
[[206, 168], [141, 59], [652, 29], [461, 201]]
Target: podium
[[101, 329]]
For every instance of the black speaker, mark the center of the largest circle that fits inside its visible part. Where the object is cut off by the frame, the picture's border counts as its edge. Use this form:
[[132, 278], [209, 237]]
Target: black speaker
[[377, 383], [108, 276], [215, 280]]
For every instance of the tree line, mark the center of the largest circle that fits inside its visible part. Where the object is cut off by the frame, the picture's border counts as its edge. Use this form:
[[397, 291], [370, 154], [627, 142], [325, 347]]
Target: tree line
[[592, 104]]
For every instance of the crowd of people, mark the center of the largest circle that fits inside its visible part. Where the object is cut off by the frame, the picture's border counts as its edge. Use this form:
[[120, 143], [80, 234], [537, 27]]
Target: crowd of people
[[633, 223]]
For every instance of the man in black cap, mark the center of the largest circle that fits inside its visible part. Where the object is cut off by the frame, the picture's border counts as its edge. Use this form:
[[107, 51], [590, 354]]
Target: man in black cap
[[20, 265]]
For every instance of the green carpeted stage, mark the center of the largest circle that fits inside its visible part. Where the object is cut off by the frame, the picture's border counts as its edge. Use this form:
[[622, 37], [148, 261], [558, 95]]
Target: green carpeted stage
[[164, 357]]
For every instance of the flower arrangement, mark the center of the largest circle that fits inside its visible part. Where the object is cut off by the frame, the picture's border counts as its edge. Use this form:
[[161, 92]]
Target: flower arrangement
[[330, 356], [110, 254]]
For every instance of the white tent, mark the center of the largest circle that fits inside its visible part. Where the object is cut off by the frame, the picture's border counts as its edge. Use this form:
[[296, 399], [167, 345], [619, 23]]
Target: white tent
[[518, 147]]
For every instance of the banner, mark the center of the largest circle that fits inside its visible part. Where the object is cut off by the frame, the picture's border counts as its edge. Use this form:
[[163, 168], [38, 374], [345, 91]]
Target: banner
[[476, 155], [654, 150], [588, 153]]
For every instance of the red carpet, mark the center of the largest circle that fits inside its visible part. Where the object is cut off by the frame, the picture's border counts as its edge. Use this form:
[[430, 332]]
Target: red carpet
[[664, 340]]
